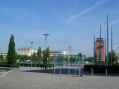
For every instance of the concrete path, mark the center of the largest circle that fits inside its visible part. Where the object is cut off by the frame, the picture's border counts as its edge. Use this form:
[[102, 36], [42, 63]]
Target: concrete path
[[27, 80], [99, 82]]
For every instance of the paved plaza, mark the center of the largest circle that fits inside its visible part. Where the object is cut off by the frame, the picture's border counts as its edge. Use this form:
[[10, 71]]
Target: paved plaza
[[17, 79]]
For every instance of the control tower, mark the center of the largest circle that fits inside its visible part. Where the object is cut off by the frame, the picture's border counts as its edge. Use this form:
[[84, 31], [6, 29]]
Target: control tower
[[100, 53]]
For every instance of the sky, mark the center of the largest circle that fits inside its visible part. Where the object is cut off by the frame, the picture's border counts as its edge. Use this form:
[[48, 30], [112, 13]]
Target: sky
[[70, 23]]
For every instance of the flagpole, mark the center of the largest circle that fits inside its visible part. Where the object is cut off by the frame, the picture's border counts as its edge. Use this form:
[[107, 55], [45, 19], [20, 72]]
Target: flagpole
[[107, 59]]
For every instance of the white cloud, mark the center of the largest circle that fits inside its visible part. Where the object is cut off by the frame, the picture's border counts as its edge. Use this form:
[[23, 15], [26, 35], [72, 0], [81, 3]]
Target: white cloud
[[85, 11]]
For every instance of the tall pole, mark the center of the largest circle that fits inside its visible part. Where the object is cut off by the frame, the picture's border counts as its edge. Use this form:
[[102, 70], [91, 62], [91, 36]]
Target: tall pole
[[107, 61], [111, 40], [105, 49], [100, 31], [111, 44], [100, 50], [69, 50], [31, 43], [46, 38], [94, 49]]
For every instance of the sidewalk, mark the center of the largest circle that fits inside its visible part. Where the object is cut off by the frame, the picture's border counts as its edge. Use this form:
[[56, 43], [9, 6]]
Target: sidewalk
[[30, 80]]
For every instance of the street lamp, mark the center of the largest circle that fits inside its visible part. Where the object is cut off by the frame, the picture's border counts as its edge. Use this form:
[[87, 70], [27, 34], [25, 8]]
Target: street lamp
[[45, 38]]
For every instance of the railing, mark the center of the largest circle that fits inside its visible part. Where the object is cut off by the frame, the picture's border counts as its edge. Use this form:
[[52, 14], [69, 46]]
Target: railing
[[67, 69]]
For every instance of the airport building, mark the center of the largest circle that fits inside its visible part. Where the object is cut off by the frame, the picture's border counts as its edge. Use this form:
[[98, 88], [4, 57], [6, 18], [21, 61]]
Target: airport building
[[26, 51], [100, 51]]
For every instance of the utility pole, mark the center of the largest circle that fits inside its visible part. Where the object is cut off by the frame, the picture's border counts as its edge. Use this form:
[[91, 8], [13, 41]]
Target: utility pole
[[107, 59]]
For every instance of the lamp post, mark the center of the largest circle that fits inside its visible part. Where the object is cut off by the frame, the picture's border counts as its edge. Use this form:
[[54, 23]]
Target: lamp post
[[31, 43], [46, 39]]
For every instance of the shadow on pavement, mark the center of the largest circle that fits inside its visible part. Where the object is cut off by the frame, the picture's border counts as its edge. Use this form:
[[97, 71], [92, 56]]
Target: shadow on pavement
[[64, 71]]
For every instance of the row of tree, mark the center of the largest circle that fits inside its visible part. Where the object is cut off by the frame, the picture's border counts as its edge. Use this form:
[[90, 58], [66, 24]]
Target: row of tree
[[41, 55], [113, 57]]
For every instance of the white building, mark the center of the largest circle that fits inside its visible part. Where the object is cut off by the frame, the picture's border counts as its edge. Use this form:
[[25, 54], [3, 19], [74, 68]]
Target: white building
[[58, 53], [3, 54], [26, 51]]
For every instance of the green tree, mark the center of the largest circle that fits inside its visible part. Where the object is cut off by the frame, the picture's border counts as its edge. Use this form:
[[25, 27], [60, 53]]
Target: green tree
[[113, 57], [65, 58], [22, 58], [1, 57], [34, 57], [46, 57], [39, 53], [80, 58], [11, 55]]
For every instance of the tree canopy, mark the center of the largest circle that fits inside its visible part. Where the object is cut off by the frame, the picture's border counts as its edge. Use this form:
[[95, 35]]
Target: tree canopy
[[39, 53], [113, 57], [11, 55]]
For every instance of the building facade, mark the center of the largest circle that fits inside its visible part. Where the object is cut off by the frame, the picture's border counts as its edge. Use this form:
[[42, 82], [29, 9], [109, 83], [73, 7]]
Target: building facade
[[100, 51], [26, 51]]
